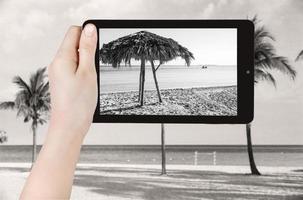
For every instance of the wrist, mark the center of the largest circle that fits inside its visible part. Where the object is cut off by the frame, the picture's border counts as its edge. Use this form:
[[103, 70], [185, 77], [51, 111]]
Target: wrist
[[61, 133], [68, 124]]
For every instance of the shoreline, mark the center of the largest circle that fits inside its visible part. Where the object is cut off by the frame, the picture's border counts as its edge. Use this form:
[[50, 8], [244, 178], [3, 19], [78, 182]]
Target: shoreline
[[232, 169]]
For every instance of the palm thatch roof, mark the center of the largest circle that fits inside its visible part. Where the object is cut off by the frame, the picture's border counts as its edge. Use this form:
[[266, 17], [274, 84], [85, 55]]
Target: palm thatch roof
[[143, 45]]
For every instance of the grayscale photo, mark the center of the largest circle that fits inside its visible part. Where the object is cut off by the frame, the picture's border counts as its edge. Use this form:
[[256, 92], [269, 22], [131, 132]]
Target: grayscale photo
[[50, 149], [168, 71]]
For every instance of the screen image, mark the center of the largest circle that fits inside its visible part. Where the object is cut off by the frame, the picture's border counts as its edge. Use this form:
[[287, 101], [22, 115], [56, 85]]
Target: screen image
[[168, 71]]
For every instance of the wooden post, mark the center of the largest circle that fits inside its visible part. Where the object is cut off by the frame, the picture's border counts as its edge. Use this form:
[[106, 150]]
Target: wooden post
[[163, 150], [142, 81], [156, 81], [140, 85]]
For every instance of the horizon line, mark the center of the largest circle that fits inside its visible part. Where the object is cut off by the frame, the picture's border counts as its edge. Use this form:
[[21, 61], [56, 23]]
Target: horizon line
[[165, 145]]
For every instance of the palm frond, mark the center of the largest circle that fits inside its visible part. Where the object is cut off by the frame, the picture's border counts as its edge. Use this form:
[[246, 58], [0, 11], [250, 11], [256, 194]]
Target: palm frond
[[23, 110], [7, 105], [22, 98], [22, 84], [41, 121], [37, 78], [255, 19], [43, 88], [281, 64], [265, 47], [26, 119], [276, 63], [300, 56], [262, 33], [261, 75], [266, 59]]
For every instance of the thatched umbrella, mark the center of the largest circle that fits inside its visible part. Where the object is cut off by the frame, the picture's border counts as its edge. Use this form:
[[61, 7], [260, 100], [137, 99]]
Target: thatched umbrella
[[144, 46]]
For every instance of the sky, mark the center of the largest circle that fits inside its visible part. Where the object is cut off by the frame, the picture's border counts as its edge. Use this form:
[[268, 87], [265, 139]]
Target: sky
[[31, 32], [209, 46]]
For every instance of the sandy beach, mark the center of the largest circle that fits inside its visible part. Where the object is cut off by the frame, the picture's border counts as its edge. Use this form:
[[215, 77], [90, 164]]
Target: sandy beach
[[215, 101], [116, 181]]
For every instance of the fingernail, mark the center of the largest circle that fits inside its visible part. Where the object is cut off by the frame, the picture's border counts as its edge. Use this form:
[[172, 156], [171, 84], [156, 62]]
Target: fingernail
[[89, 30]]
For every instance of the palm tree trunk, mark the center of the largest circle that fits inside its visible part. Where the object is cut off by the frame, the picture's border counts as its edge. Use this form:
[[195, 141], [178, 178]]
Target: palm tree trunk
[[156, 81], [252, 163], [34, 150], [142, 81], [163, 149]]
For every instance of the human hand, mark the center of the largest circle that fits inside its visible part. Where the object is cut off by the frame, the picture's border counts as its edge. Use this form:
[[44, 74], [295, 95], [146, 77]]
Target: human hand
[[73, 81], [73, 89]]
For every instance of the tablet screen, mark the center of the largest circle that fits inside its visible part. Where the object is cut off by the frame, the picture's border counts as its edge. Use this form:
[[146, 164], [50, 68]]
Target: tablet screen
[[168, 71]]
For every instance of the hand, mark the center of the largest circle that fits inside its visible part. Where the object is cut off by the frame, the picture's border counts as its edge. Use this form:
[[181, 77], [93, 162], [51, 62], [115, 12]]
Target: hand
[[73, 88], [73, 81]]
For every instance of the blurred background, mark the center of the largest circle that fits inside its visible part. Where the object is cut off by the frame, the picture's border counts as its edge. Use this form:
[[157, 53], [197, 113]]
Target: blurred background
[[32, 31]]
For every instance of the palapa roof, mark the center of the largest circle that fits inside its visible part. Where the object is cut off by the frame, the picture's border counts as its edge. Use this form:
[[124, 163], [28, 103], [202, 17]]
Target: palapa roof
[[143, 45]]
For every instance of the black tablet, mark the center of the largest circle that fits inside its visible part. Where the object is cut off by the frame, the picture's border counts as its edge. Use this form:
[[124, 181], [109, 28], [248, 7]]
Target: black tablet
[[175, 71]]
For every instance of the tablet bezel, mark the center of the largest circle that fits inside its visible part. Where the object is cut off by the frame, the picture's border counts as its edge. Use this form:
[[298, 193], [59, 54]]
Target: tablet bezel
[[245, 71]]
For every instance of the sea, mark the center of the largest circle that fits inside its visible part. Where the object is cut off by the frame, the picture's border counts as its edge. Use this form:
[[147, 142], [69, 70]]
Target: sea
[[125, 79], [265, 155]]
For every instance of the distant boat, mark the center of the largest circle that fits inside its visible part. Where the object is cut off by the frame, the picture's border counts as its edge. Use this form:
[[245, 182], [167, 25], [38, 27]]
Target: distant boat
[[204, 67]]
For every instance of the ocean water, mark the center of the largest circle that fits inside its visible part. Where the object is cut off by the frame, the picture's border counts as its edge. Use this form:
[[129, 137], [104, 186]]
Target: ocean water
[[126, 79], [291, 156]]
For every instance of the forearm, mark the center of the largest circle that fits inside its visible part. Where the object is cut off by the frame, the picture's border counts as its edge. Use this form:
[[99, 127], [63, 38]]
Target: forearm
[[52, 175]]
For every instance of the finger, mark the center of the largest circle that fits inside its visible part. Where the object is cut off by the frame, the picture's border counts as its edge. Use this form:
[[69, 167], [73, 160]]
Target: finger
[[68, 50], [87, 48]]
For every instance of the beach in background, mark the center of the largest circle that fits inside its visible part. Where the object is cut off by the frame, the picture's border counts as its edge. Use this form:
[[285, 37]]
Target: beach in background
[[132, 172], [284, 156]]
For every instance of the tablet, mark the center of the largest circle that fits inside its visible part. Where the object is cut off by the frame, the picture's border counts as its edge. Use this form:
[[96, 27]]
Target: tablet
[[175, 71]]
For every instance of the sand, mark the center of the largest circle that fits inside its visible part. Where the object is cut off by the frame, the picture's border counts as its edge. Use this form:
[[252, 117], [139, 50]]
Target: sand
[[213, 101], [113, 181]]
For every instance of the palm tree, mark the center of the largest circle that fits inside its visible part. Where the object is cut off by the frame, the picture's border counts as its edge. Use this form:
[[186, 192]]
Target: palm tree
[[32, 102], [146, 47], [265, 61]]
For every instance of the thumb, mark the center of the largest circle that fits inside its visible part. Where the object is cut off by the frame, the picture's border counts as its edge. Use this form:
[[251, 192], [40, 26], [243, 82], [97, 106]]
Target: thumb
[[87, 48]]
